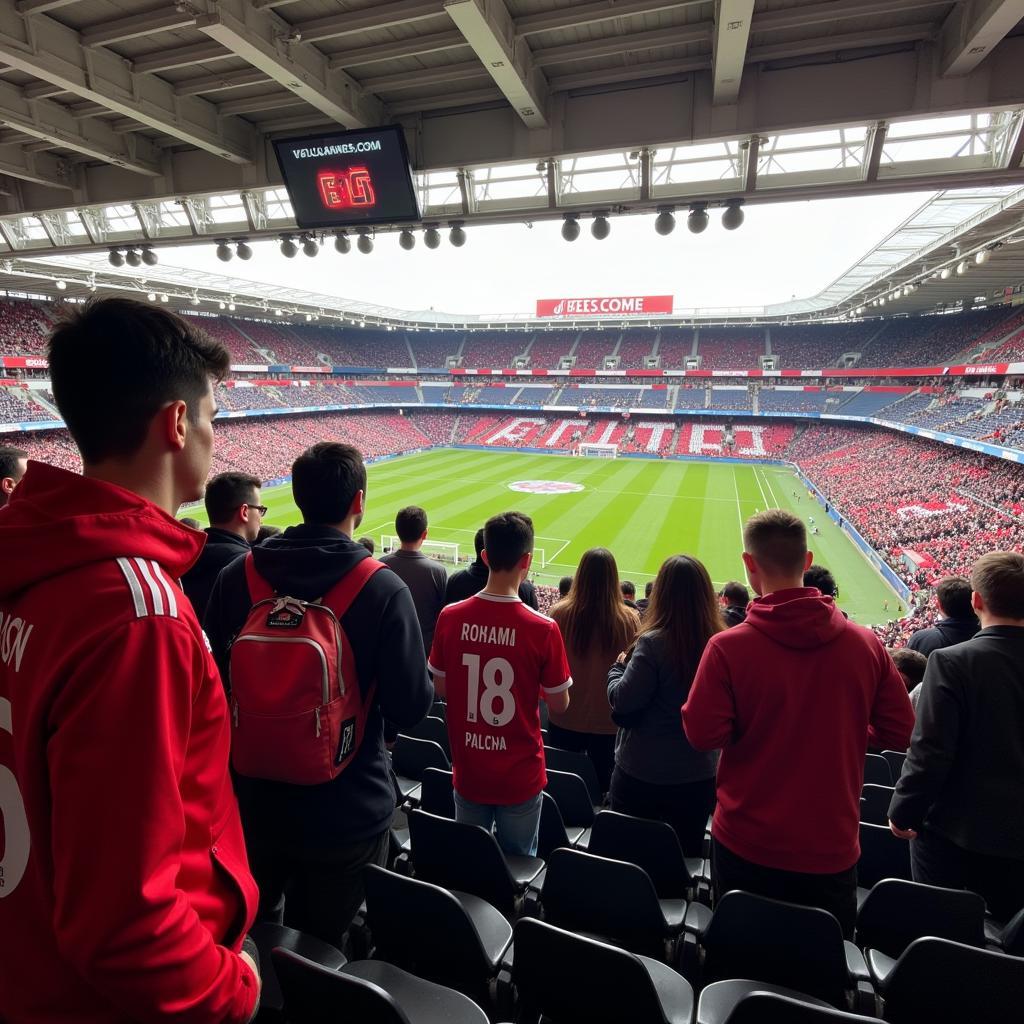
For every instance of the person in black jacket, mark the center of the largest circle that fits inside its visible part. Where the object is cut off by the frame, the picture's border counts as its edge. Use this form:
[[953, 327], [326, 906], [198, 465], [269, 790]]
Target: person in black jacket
[[471, 580], [959, 797], [735, 598], [312, 842], [233, 504], [958, 622]]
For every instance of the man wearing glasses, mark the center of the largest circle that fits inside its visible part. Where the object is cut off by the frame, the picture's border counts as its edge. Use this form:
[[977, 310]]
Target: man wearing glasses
[[233, 505]]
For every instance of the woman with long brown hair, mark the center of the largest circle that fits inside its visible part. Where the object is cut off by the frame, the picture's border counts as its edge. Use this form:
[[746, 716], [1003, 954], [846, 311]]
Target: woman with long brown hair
[[596, 625], [657, 773]]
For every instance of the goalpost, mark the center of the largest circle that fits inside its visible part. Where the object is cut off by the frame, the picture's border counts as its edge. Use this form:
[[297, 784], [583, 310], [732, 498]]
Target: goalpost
[[596, 450]]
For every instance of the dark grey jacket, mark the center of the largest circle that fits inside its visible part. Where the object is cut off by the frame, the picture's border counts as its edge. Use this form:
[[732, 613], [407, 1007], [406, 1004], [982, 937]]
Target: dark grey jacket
[[964, 774], [944, 633], [649, 692]]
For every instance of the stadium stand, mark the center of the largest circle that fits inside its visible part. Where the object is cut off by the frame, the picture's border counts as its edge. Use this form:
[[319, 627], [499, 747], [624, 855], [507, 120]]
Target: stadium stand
[[23, 329], [633, 348], [432, 350], [723, 349], [674, 345], [592, 347], [494, 351], [815, 345]]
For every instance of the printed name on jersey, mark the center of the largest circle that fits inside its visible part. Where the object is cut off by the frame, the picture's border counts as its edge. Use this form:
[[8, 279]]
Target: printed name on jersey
[[484, 741], [14, 634], [504, 635]]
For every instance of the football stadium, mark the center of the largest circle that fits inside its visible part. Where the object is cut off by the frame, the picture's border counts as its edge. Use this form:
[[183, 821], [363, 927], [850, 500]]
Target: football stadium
[[511, 511]]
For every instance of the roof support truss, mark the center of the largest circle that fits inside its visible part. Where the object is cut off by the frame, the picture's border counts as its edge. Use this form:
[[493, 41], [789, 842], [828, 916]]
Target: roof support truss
[[376, 16], [48, 50], [269, 44], [489, 30], [972, 31], [40, 168], [732, 31], [428, 43]]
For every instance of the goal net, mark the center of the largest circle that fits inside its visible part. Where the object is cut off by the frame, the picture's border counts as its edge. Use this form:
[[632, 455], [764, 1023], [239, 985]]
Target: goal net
[[442, 550], [595, 450]]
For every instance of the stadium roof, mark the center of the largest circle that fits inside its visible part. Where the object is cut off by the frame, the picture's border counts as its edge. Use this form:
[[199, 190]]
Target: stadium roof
[[131, 121]]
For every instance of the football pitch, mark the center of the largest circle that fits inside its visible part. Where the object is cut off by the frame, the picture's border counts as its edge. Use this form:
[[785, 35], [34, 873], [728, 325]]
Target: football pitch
[[643, 510]]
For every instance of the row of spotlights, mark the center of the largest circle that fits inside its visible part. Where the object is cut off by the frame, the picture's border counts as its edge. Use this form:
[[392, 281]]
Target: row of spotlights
[[697, 219], [133, 257], [981, 257], [242, 250]]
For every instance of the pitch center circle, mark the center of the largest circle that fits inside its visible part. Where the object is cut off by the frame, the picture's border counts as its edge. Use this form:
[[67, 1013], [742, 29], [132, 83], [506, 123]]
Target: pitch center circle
[[545, 487]]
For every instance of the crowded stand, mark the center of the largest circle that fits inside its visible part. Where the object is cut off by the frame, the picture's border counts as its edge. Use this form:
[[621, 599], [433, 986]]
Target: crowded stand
[[816, 345], [724, 349], [691, 397], [18, 405], [493, 350], [23, 329], [591, 349], [634, 347], [674, 345], [732, 399], [655, 723], [784, 399]]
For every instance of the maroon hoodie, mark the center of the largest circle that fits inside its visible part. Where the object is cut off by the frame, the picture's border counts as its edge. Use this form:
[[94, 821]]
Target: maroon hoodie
[[126, 891], [793, 696]]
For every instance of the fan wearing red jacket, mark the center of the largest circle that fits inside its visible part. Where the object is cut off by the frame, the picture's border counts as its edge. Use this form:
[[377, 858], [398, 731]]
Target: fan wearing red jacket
[[126, 894], [792, 696], [494, 659]]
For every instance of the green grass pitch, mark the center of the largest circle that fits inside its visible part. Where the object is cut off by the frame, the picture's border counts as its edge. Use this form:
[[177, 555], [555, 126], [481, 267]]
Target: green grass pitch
[[643, 510]]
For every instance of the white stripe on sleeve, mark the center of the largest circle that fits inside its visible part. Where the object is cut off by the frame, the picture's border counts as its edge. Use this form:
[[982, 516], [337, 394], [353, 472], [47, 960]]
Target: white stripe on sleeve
[[154, 589], [172, 602], [133, 585]]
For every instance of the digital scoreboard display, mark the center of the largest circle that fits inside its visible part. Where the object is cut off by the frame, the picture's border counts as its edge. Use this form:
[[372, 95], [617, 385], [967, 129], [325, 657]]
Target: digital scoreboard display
[[349, 179]]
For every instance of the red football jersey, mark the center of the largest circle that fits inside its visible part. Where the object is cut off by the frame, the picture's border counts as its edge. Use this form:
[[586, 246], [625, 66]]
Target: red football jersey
[[497, 657]]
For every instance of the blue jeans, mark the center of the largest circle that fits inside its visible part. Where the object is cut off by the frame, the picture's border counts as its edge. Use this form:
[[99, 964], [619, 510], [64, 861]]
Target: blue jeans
[[516, 825]]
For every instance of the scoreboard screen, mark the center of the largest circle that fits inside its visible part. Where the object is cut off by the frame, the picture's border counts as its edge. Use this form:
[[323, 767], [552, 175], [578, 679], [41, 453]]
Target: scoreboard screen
[[348, 179]]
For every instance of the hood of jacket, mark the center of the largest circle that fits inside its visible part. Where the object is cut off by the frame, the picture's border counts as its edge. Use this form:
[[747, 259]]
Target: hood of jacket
[[58, 521], [306, 561], [800, 618]]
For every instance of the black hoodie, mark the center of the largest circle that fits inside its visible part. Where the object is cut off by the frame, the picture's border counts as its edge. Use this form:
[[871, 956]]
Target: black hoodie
[[305, 562]]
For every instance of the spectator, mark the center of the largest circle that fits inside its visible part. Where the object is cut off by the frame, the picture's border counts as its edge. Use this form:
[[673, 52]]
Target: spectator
[[822, 580], [642, 604], [13, 463], [564, 586], [735, 598], [425, 577], [233, 506], [595, 626], [121, 729], [494, 659], [266, 532], [958, 798], [910, 665], [367, 543], [958, 622], [471, 580], [793, 696], [309, 844], [658, 774], [192, 524], [628, 589]]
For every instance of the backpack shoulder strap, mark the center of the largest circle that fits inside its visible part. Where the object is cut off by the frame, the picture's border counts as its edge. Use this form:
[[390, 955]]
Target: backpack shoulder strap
[[259, 588], [340, 597]]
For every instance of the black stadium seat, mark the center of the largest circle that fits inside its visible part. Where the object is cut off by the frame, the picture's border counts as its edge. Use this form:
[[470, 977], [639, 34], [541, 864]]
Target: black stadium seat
[[437, 796], [467, 858], [612, 900], [433, 728], [406, 916], [367, 992], [573, 798], [941, 982], [772, 1008], [572, 979], [877, 771], [897, 912], [895, 759], [882, 855], [575, 763], [874, 804]]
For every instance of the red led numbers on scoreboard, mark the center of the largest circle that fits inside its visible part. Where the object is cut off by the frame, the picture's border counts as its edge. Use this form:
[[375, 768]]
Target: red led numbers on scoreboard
[[341, 190]]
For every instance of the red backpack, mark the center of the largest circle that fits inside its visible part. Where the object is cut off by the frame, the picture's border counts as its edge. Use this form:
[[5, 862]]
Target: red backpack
[[296, 704]]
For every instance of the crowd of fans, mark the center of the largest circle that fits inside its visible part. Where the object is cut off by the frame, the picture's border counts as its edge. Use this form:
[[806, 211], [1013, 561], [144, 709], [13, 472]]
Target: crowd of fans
[[23, 329]]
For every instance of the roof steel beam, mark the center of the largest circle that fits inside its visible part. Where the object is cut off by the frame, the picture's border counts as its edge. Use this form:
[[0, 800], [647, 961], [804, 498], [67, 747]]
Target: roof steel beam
[[697, 33], [973, 29], [463, 71], [42, 6], [430, 43], [39, 168], [269, 44], [55, 124], [376, 16], [836, 10], [48, 50], [133, 27], [220, 83], [489, 30], [588, 14], [179, 57], [729, 53]]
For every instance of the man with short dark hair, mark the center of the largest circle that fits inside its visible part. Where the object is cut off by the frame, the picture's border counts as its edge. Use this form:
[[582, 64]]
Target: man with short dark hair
[[735, 598], [958, 622], [642, 604], [233, 506], [425, 577], [471, 580], [494, 659], [628, 588], [13, 463], [126, 889], [564, 584], [309, 844], [822, 580], [367, 543], [910, 665], [792, 697], [959, 796]]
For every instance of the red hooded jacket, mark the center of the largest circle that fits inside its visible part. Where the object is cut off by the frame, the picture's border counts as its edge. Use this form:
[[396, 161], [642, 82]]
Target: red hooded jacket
[[793, 696], [126, 890]]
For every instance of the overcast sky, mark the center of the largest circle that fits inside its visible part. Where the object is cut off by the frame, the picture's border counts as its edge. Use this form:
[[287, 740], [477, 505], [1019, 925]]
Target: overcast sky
[[781, 251]]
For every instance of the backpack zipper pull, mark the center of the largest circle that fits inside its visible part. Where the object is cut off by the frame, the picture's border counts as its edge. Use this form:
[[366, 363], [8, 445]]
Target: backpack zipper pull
[[318, 721]]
